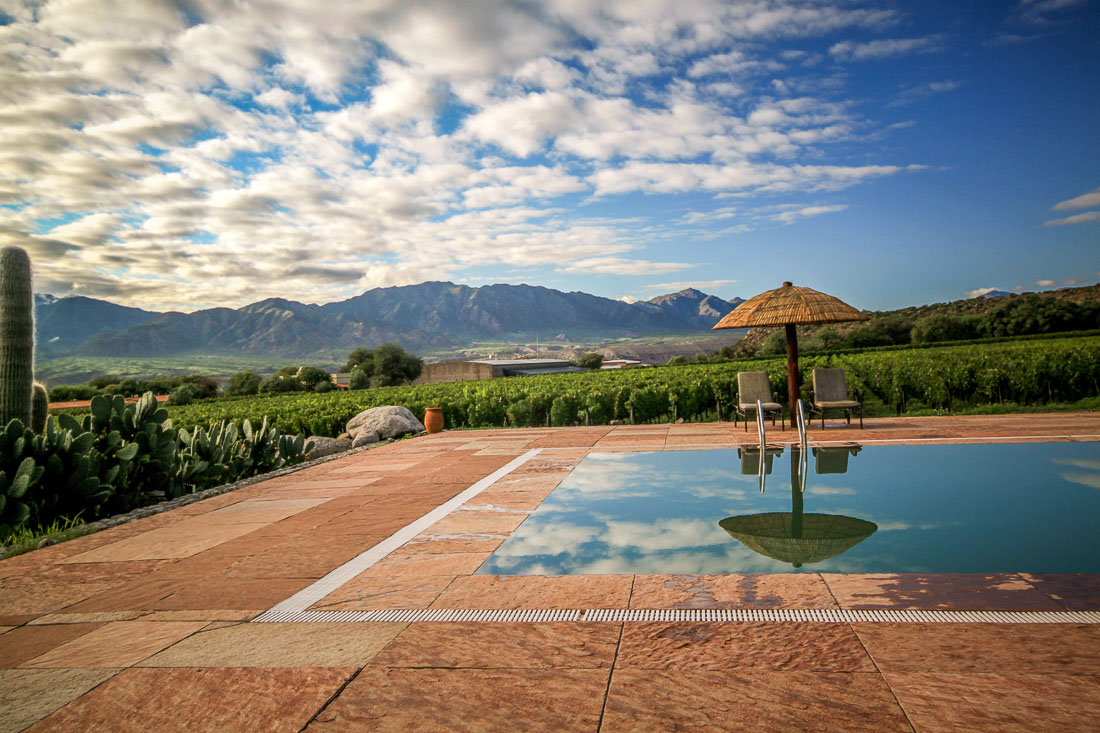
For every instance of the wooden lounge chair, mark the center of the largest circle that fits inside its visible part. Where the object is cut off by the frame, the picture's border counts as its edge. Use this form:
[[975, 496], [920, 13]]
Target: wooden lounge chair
[[831, 393], [753, 386]]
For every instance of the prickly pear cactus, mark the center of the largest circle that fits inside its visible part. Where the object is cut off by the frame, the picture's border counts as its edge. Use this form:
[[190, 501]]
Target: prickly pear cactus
[[16, 336]]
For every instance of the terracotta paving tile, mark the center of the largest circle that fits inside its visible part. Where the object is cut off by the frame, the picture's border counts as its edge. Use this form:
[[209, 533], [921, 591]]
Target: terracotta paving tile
[[795, 590], [6, 629], [139, 595], [1076, 592], [87, 618], [1021, 648], [464, 542], [279, 645], [1003, 703], [205, 615], [503, 499], [536, 591], [389, 699], [145, 699], [503, 646], [257, 511], [486, 522], [524, 484], [305, 556], [118, 644], [447, 563], [28, 642], [647, 700], [179, 540], [28, 695], [51, 588], [365, 593], [964, 591], [230, 593], [761, 645]]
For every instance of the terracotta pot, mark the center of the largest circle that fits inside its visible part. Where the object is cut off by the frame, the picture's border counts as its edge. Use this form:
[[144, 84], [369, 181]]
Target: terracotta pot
[[433, 419]]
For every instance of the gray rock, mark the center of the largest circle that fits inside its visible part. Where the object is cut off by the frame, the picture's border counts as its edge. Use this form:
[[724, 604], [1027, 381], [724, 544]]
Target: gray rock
[[327, 446], [388, 422], [365, 438]]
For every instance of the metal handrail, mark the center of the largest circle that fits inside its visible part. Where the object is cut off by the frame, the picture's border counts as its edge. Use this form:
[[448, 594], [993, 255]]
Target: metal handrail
[[762, 470], [760, 425], [800, 423]]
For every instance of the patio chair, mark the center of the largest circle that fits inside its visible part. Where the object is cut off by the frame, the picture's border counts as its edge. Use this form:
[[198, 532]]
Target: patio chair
[[831, 393], [833, 459], [750, 459], [753, 386]]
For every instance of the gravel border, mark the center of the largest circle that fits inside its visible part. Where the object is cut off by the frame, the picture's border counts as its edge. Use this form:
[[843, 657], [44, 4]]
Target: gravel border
[[166, 506]]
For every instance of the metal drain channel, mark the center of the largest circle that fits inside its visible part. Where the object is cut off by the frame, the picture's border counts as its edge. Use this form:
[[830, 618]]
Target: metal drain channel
[[694, 615]]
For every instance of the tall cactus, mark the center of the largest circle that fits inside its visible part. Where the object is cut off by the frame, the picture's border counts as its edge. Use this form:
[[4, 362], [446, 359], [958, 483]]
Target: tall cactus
[[16, 336], [40, 407]]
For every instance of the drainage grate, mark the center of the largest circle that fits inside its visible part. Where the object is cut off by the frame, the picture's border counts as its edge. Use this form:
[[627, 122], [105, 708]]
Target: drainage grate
[[701, 615]]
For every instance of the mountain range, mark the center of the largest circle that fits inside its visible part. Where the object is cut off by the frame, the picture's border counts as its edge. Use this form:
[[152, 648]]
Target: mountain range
[[425, 317]]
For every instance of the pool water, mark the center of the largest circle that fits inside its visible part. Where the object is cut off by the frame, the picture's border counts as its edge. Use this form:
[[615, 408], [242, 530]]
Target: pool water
[[1023, 507]]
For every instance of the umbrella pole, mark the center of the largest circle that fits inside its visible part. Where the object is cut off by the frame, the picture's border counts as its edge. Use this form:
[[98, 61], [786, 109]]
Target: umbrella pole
[[792, 368]]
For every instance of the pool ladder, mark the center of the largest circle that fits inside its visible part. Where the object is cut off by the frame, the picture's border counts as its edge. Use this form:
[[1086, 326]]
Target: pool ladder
[[799, 419]]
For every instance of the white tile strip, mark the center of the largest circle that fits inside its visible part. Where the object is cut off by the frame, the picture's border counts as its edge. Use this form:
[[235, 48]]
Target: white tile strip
[[694, 615], [309, 595]]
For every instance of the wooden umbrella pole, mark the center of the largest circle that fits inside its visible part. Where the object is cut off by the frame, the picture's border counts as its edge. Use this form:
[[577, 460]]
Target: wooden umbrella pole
[[792, 368]]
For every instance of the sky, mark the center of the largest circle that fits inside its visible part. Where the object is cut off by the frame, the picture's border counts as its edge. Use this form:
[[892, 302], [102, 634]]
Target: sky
[[185, 154]]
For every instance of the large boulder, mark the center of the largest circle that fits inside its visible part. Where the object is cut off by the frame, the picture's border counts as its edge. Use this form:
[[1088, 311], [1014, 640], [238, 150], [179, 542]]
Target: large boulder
[[365, 438], [327, 446], [388, 422]]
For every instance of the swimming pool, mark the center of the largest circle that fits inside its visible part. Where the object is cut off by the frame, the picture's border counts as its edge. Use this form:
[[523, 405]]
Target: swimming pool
[[1020, 507]]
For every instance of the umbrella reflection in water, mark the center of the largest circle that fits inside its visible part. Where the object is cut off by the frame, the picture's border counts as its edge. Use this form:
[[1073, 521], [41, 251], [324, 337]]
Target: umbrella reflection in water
[[796, 537]]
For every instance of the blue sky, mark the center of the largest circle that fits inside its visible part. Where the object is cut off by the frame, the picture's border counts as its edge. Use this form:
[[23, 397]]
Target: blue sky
[[212, 153]]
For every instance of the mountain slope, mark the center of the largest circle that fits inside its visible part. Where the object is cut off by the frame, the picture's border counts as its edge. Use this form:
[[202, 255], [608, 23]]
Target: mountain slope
[[421, 317], [62, 324]]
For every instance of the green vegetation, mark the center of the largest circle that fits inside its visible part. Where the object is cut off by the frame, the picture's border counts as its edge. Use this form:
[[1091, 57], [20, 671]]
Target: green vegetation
[[996, 318], [122, 456], [591, 360], [1010, 375], [386, 366], [79, 369]]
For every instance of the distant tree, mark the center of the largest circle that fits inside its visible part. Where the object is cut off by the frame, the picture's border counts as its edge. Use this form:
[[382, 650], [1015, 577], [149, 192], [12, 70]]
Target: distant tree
[[284, 380], [323, 387], [360, 358], [945, 328], [359, 379], [590, 361], [677, 360], [243, 383], [310, 377], [185, 394], [385, 366]]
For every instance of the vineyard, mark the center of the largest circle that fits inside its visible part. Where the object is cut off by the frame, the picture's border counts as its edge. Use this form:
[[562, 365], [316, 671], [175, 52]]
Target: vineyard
[[950, 378]]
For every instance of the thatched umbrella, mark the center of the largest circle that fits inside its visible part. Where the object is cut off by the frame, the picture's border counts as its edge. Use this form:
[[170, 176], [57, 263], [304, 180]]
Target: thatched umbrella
[[796, 537], [790, 306]]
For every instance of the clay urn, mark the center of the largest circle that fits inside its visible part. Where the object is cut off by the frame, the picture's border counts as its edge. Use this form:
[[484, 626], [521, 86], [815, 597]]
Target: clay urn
[[433, 419]]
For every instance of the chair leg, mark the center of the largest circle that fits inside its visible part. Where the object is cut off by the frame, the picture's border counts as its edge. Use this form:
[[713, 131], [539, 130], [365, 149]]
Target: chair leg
[[861, 418]]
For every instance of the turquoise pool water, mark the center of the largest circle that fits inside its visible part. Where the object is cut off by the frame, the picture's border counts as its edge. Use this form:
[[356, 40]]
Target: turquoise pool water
[[1024, 507]]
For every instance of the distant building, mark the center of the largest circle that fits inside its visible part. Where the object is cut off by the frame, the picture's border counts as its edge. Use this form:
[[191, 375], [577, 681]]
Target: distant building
[[621, 363], [460, 371]]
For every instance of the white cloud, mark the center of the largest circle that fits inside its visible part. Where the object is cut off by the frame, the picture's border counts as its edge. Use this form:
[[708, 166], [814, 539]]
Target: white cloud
[[1085, 218], [980, 292], [1084, 201], [922, 91], [244, 150], [884, 48]]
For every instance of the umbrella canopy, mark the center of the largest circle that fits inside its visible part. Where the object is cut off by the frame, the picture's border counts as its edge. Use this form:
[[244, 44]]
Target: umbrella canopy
[[790, 306], [822, 535]]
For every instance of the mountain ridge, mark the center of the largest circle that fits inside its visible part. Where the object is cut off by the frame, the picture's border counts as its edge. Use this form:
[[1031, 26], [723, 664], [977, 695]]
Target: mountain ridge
[[425, 316]]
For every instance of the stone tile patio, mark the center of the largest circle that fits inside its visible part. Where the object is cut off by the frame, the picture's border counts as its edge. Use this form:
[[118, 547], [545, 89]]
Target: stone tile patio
[[145, 626]]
